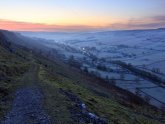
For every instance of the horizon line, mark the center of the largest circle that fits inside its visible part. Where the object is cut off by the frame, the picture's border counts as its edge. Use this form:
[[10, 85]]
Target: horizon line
[[43, 27]]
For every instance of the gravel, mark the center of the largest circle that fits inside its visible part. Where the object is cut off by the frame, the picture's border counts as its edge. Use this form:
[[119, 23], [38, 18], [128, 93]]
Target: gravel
[[27, 108]]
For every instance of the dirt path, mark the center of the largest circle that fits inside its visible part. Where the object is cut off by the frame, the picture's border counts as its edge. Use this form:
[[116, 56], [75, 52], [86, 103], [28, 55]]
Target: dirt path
[[27, 107]]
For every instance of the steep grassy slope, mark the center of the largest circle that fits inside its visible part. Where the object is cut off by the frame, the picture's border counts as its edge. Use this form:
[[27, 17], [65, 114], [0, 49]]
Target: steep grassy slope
[[99, 99], [22, 68]]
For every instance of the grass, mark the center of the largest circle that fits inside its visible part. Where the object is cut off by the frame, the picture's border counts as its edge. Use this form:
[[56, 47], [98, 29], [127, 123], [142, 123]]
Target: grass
[[12, 68], [56, 105], [60, 77]]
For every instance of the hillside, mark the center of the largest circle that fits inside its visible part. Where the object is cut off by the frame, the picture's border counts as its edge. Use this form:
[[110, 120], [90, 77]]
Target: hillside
[[130, 59], [58, 93]]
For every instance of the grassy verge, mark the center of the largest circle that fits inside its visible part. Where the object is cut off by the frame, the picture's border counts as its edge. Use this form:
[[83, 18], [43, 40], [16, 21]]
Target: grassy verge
[[55, 103]]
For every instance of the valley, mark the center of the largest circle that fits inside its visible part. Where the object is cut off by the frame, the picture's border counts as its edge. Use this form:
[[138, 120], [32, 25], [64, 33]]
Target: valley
[[63, 93], [97, 51]]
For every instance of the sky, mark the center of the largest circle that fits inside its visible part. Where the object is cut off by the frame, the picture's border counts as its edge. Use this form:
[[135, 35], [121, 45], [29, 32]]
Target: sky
[[77, 15]]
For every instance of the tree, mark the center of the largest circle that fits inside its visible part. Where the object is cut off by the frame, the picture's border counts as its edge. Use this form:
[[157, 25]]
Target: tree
[[73, 62], [137, 92], [144, 66], [101, 67], [97, 74], [84, 58], [147, 98], [122, 76], [113, 81], [156, 70], [107, 78], [86, 70], [137, 80]]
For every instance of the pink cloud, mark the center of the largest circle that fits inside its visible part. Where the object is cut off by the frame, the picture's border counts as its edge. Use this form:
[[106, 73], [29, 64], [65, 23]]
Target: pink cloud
[[25, 26], [144, 23]]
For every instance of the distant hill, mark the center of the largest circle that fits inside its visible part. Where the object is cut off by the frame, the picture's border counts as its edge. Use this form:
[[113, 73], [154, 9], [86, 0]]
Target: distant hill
[[161, 28]]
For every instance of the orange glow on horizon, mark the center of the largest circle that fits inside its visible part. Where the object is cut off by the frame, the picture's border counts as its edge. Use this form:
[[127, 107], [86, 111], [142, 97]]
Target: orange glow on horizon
[[26, 26], [144, 23]]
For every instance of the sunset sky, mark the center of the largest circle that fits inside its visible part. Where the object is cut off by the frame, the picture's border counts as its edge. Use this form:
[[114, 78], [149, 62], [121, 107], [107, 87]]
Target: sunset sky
[[77, 15]]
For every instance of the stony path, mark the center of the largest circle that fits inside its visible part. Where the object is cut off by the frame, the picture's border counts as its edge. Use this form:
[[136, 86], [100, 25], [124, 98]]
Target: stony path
[[27, 108]]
